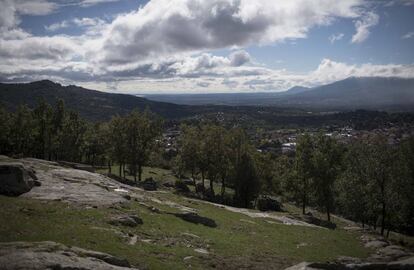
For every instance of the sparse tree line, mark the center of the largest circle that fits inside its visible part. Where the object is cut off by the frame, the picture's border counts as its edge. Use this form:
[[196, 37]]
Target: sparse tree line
[[370, 182], [54, 133]]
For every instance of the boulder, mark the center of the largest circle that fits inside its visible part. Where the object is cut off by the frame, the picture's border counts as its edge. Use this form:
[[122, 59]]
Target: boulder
[[149, 184], [268, 203], [129, 221], [188, 182], [180, 186], [319, 222], [196, 219], [376, 244], [169, 184], [16, 179], [51, 255]]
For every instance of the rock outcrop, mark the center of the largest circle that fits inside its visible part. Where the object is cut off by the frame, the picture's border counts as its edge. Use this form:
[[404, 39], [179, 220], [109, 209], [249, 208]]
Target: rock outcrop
[[129, 221], [51, 255], [268, 203], [404, 264], [16, 179], [45, 180], [149, 184]]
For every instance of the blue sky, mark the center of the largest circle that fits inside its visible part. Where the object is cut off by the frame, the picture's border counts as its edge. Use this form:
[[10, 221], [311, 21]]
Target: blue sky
[[180, 46]]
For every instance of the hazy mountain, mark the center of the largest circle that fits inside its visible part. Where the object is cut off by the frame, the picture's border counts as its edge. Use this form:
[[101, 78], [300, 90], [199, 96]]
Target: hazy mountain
[[357, 93], [349, 94], [91, 104], [295, 90]]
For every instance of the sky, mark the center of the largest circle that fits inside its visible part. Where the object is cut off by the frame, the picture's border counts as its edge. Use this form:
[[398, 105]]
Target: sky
[[204, 46]]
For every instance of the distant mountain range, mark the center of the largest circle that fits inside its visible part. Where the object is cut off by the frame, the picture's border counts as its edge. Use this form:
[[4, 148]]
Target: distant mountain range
[[393, 94], [91, 104], [350, 94]]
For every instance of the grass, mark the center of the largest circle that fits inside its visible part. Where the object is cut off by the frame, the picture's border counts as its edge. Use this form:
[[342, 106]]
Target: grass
[[238, 241]]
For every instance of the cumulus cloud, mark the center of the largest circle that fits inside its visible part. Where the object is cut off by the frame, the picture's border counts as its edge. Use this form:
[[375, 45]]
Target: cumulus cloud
[[336, 37], [11, 9], [167, 45], [163, 27], [239, 58], [363, 27]]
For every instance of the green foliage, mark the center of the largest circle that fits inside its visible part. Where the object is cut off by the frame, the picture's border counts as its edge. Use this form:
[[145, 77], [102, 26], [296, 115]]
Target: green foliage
[[326, 165], [304, 169], [247, 184]]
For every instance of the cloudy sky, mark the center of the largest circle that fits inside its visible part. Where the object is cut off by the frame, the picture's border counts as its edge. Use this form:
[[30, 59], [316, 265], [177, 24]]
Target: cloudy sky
[[200, 46]]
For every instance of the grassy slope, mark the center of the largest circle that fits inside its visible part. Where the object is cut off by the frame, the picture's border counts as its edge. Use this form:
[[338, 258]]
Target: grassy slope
[[237, 242]]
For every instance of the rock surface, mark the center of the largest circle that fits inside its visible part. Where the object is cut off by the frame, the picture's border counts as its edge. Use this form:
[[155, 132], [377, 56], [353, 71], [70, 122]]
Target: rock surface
[[129, 221], [61, 184], [405, 264], [16, 179], [78, 166], [51, 255]]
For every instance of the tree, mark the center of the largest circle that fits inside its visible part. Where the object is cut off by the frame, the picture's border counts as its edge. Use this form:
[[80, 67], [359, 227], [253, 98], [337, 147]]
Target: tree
[[189, 150], [247, 185], [303, 167], [141, 131], [71, 138], [22, 131], [5, 142], [43, 116], [117, 137], [216, 154], [406, 186], [354, 196], [326, 167]]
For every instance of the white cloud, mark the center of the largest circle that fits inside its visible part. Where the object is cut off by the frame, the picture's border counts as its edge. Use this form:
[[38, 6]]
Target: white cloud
[[91, 25], [165, 27], [363, 26], [57, 26], [11, 9], [408, 35], [336, 37], [167, 45], [34, 7], [88, 3]]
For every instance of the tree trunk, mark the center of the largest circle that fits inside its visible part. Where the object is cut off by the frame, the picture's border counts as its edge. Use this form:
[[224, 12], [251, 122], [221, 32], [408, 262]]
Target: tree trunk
[[211, 186], [194, 180], [223, 187], [202, 180], [328, 213], [139, 172], [120, 169], [304, 203], [109, 166], [383, 218], [304, 200]]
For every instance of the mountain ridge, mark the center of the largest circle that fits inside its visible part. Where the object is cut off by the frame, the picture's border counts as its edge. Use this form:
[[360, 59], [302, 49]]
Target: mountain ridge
[[91, 104]]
